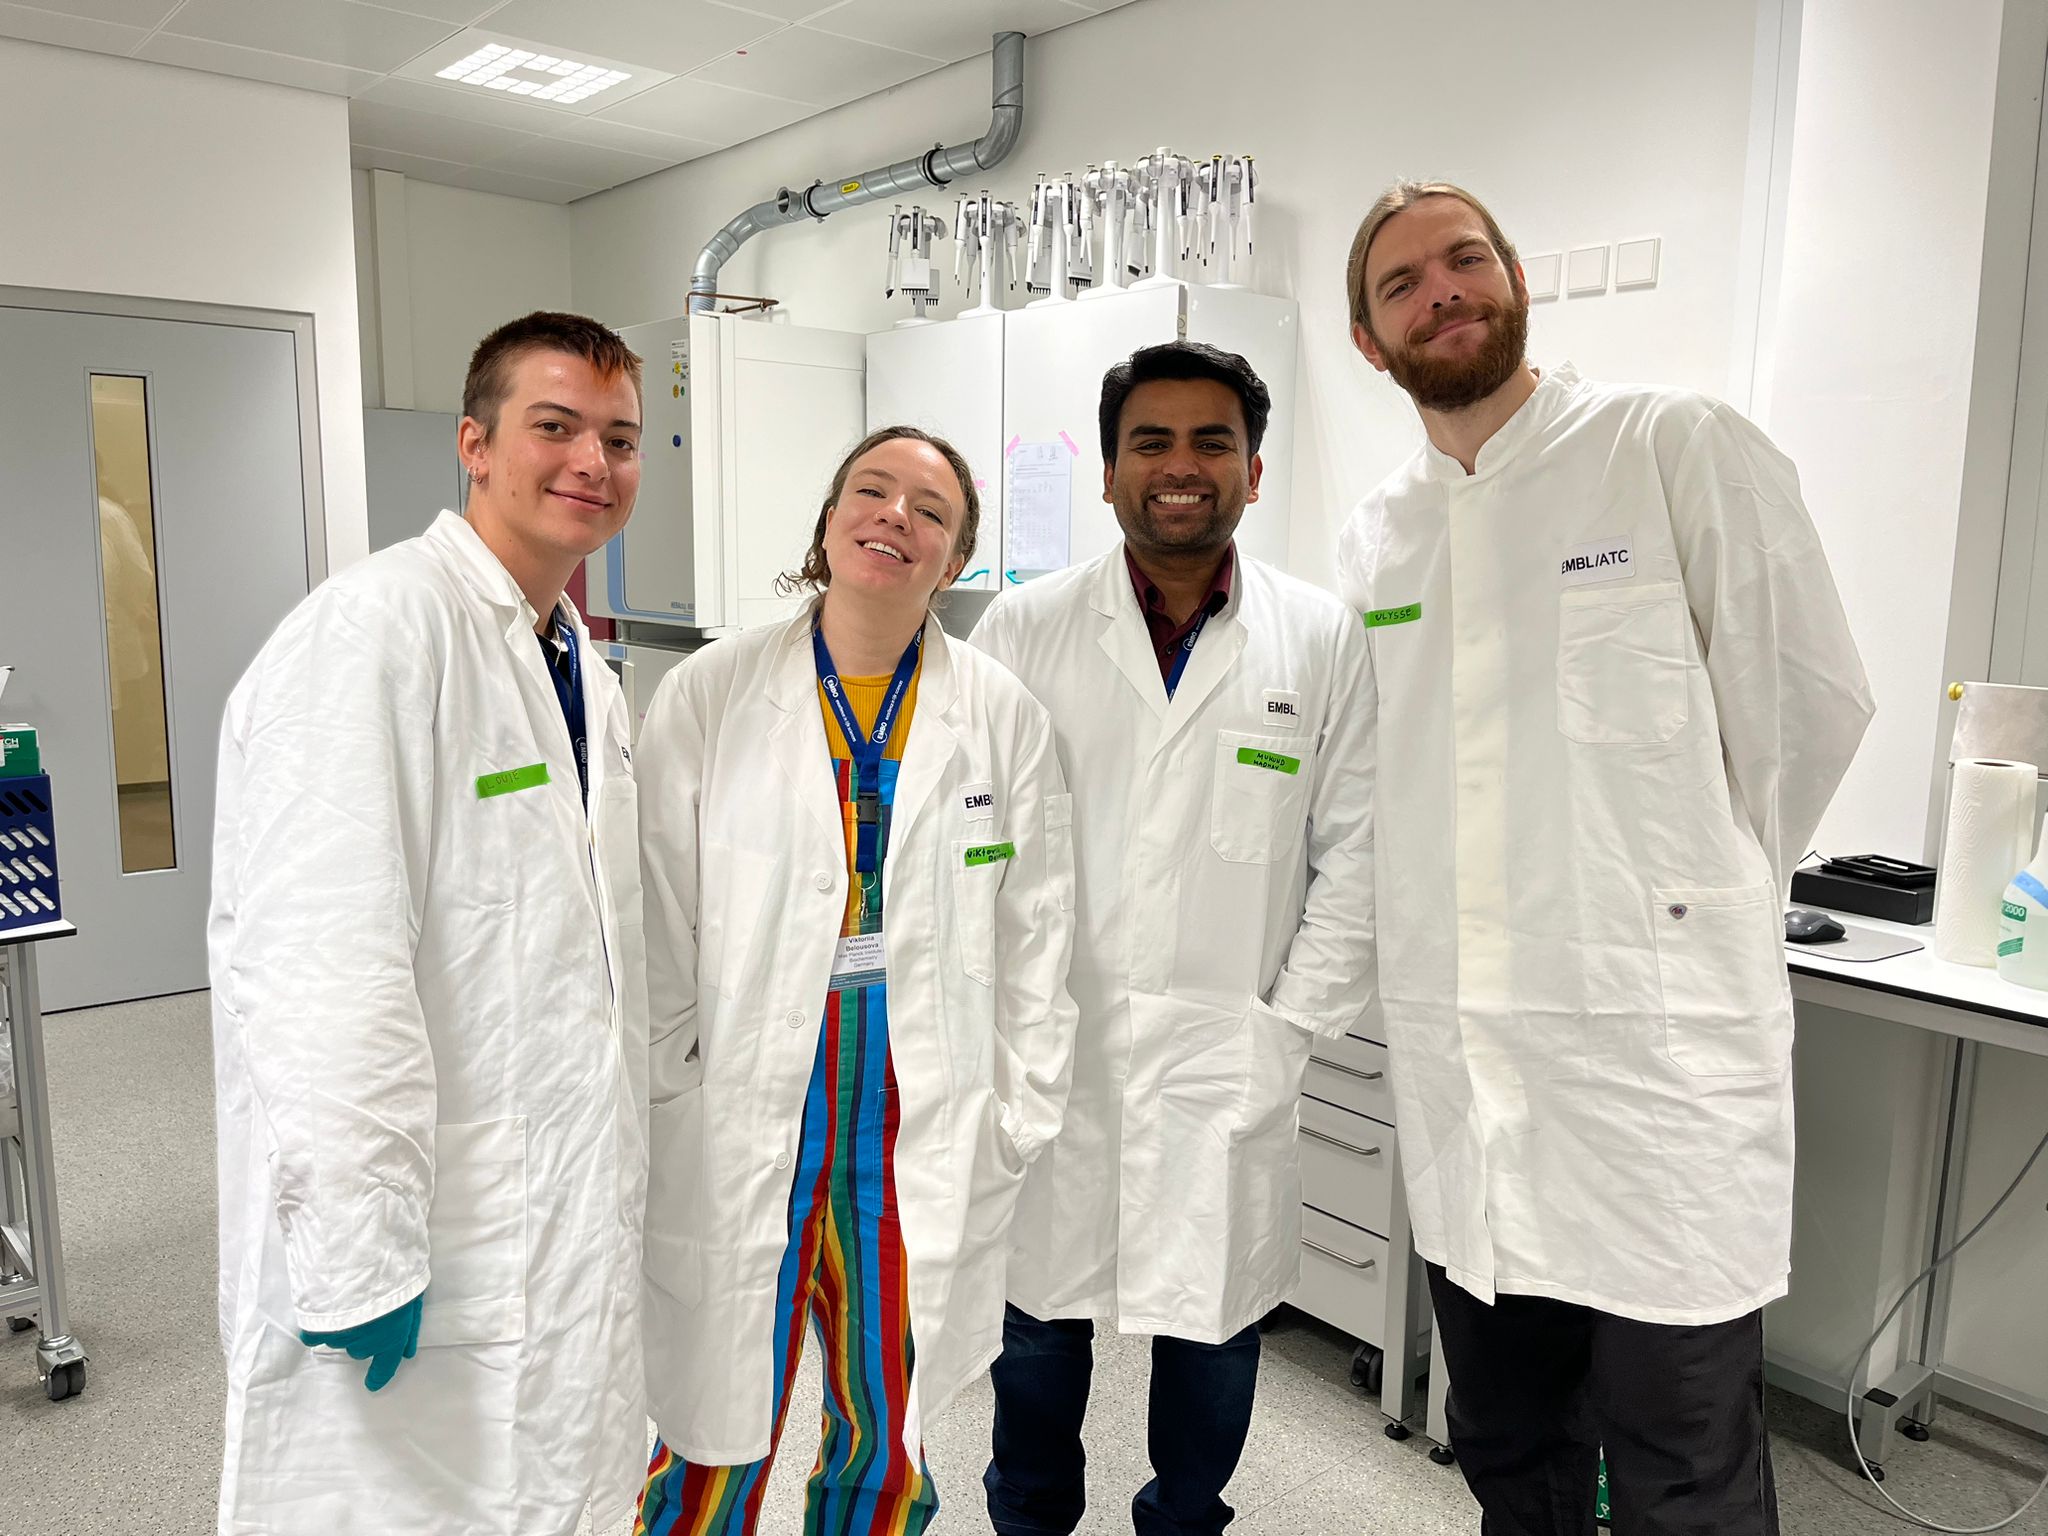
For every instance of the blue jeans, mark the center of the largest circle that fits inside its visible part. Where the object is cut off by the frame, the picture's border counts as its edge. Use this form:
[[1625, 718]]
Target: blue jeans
[[1200, 1412]]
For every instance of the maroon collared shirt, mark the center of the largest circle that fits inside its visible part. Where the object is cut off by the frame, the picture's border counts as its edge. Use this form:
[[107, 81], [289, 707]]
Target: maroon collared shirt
[[1167, 637]]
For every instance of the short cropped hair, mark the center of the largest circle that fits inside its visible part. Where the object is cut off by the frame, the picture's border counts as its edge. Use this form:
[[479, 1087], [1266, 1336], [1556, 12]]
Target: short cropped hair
[[815, 574], [1398, 198], [1184, 360], [491, 365]]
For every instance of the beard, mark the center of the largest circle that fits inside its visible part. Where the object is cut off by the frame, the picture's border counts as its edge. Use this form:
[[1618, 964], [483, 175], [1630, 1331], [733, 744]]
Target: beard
[[1454, 383], [1184, 536]]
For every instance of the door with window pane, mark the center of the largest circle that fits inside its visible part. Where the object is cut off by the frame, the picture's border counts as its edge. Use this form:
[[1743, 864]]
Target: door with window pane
[[152, 533]]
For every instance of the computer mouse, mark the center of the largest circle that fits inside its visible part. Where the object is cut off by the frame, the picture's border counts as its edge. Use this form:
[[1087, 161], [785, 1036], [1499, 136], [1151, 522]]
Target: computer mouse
[[1803, 925]]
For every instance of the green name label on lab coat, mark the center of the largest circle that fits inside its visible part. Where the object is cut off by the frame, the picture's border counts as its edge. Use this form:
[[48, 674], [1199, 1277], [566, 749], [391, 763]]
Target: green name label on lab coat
[[1379, 618], [2011, 946], [2017, 914], [989, 853], [511, 780], [1251, 757]]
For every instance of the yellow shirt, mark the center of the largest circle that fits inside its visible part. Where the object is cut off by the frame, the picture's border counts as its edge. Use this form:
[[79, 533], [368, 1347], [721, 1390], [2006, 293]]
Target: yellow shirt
[[864, 695]]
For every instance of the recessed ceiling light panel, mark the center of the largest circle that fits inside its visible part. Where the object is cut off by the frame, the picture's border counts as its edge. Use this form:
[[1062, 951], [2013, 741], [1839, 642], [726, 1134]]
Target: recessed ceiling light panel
[[484, 61]]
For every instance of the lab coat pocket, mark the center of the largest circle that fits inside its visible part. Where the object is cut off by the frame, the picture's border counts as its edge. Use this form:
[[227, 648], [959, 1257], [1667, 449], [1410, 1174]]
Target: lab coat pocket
[[673, 1257], [1720, 962], [1621, 663], [1256, 812], [978, 865], [1059, 848], [476, 1235]]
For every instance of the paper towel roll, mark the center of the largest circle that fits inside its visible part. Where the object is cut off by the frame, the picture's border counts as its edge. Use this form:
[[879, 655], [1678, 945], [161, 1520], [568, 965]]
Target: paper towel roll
[[1990, 835]]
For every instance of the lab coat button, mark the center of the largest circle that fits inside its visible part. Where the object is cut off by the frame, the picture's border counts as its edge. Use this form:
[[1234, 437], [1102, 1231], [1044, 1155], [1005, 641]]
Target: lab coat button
[[823, 881], [782, 1160], [1676, 909], [794, 1018]]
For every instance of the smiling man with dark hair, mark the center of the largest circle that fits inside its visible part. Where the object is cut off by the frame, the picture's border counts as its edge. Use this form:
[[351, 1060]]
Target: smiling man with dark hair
[[1213, 718]]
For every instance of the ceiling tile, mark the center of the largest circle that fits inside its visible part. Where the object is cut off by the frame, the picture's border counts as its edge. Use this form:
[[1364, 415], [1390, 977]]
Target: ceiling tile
[[510, 184], [945, 29], [697, 109], [35, 26], [333, 31], [125, 13], [669, 148], [581, 164], [459, 12], [816, 68], [493, 108], [423, 133], [253, 64], [675, 35], [781, 10]]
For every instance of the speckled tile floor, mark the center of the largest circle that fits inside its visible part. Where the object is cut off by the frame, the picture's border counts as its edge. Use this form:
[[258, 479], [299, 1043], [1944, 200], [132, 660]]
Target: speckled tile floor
[[132, 1093]]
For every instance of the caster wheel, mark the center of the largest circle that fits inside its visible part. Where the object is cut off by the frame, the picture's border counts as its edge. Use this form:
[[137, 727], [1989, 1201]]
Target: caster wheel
[[1443, 1455], [65, 1381], [1272, 1319], [1915, 1431], [1876, 1474], [20, 1324], [1398, 1431], [1368, 1369]]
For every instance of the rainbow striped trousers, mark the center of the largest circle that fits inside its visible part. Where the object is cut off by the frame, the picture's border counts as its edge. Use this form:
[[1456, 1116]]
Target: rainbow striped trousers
[[845, 1267]]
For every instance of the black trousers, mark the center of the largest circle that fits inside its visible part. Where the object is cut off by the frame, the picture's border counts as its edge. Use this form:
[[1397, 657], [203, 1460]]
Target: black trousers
[[1539, 1386], [1199, 1414]]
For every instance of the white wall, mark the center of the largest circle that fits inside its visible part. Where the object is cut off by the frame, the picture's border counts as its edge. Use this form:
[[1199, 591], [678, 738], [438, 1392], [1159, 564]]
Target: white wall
[[123, 177], [1875, 340], [470, 261], [1623, 120]]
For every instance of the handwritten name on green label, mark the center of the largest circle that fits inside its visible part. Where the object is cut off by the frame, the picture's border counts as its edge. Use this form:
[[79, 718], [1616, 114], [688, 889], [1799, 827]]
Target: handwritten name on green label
[[989, 853], [511, 780], [2011, 946], [2017, 913], [1379, 618], [1251, 757]]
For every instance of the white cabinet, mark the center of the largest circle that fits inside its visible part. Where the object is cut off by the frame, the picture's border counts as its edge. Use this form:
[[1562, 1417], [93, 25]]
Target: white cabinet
[[1359, 1270]]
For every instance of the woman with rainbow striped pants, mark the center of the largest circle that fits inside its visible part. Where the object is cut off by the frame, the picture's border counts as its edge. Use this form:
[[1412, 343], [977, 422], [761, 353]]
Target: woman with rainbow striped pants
[[860, 888]]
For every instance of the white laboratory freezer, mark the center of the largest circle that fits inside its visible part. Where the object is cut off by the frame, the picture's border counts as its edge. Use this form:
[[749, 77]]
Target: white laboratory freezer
[[745, 420]]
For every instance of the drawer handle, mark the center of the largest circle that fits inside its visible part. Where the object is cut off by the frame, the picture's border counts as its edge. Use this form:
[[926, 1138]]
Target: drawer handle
[[1344, 1259], [1370, 1077], [1309, 1130]]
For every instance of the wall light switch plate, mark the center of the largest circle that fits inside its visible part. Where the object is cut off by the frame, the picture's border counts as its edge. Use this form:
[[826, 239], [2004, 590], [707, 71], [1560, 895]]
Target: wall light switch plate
[[1542, 274], [1586, 270], [1635, 263]]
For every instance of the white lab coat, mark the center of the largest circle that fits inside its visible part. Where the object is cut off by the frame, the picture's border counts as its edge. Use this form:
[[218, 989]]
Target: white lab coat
[[430, 1053], [744, 861], [1595, 777], [1226, 912]]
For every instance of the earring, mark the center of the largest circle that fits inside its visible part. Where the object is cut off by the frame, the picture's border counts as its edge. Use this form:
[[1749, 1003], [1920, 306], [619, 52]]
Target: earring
[[476, 476]]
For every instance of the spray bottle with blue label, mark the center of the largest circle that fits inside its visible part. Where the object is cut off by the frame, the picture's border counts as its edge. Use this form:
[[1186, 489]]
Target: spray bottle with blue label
[[2023, 922]]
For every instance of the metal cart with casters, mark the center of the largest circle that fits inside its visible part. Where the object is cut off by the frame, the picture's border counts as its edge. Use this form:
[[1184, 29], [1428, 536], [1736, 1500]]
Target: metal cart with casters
[[31, 1251]]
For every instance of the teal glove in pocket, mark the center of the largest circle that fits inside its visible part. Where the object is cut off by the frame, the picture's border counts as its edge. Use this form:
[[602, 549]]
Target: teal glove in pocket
[[383, 1341]]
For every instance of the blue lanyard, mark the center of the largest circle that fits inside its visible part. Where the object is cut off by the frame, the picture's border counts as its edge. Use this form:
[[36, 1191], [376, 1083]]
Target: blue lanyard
[[866, 750], [1187, 649], [569, 691]]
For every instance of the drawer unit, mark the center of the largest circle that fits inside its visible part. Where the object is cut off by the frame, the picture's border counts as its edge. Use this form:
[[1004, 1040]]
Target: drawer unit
[[1343, 1276], [1347, 1166], [1352, 1074]]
